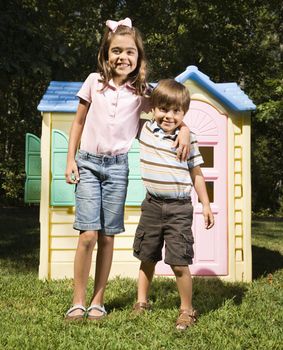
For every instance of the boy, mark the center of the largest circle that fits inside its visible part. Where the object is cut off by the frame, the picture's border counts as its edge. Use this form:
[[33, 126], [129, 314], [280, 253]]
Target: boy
[[167, 211]]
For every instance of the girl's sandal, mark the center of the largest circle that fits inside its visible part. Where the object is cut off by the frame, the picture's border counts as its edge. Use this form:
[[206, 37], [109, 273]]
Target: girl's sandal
[[139, 307], [186, 319], [97, 307], [80, 317]]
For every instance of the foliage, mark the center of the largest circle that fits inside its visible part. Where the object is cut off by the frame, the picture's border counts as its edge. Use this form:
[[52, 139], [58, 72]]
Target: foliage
[[267, 170], [49, 40]]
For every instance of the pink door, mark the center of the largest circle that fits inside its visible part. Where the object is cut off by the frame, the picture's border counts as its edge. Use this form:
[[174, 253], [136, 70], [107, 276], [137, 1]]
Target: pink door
[[211, 257]]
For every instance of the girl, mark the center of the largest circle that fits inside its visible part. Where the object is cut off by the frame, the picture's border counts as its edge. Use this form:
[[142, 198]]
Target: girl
[[106, 122]]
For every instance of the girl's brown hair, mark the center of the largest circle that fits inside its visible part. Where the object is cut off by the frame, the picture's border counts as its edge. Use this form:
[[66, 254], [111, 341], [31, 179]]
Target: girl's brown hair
[[170, 94], [138, 76]]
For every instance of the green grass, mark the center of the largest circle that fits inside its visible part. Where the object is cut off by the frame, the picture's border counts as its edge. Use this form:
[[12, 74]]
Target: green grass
[[233, 315]]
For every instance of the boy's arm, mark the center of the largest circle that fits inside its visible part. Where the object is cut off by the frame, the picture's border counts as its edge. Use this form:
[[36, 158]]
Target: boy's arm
[[72, 173], [182, 142], [200, 187]]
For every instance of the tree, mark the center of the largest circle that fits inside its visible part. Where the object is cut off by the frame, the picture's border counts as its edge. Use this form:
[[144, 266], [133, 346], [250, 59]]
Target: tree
[[58, 40]]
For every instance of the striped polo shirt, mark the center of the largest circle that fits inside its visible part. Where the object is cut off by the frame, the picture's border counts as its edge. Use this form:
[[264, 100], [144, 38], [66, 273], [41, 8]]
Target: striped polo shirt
[[163, 175]]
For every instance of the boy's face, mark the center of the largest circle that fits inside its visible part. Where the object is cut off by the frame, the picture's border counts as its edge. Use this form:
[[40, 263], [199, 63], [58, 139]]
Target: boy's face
[[168, 119]]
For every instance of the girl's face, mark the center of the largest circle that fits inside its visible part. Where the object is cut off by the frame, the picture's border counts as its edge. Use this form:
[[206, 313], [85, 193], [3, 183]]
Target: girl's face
[[122, 57]]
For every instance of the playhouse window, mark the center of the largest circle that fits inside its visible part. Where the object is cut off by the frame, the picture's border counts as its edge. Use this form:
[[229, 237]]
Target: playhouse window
[[207, 155], [210, 190]]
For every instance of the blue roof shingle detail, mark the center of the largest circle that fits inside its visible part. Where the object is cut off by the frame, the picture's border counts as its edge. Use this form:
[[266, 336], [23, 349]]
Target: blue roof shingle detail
[[229, 94], [60, 96]]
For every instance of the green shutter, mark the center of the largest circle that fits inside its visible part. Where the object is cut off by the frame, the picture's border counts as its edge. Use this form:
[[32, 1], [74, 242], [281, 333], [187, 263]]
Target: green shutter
[[62, 194], [136, 190], [32, 169]]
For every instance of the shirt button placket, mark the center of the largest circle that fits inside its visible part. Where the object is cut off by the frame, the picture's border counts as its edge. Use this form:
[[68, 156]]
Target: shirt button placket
[[114, 104]]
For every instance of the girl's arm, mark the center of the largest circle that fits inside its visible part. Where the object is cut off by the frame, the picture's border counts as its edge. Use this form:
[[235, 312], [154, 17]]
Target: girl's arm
[[200, 187], [182, 143], [72, 173], [141, 124]]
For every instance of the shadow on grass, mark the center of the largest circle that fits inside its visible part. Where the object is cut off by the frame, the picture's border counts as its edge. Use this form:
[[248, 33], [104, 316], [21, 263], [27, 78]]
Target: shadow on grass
[[208, 294], [265, 261], [19, 238]]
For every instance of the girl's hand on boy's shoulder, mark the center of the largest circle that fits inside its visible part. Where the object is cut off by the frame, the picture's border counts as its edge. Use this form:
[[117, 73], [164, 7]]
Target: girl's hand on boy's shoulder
[[208, 217], [72, 173], [182, 143]]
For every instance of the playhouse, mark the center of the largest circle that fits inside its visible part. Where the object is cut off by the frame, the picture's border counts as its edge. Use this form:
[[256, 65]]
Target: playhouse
[[220, 115]]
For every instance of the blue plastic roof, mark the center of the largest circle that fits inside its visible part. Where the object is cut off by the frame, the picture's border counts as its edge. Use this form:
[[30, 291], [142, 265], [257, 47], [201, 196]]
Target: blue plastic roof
[[230, 94], [60, 96]]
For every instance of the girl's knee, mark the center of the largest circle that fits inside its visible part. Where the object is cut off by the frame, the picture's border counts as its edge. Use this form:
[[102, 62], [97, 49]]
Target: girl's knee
[[105, 241], [88, 238]]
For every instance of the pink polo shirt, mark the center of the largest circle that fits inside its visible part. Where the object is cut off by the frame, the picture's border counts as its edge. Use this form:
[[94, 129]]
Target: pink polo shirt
[[113, 117]]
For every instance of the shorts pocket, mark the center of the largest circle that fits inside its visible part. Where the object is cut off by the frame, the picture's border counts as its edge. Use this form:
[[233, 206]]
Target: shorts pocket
[[188, 251], [138, 240]]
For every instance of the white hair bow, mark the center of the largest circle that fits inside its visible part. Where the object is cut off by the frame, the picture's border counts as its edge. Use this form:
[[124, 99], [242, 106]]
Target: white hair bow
[[113, 25]]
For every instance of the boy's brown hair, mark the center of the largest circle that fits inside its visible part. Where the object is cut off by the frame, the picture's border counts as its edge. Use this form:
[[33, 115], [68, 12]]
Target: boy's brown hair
[[170, 94]]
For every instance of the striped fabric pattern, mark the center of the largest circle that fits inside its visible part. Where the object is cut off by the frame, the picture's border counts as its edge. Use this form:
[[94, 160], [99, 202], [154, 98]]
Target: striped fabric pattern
[[162, 174]]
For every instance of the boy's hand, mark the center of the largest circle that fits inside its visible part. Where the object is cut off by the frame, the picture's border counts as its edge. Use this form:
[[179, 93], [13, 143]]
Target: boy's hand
[[72, 173], [182, 143], [208, 217]]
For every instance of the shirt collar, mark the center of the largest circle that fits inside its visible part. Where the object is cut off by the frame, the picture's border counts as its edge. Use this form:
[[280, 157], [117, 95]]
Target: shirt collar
[[127, 85], [158, 132]]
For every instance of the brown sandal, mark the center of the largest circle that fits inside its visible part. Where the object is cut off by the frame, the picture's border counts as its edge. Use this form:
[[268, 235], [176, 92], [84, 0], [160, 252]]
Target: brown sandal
[[186, 319], [139, 308]]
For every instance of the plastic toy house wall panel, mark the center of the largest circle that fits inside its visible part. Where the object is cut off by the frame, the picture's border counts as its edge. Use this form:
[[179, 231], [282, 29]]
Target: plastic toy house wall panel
[[240, 196], [136, 191]]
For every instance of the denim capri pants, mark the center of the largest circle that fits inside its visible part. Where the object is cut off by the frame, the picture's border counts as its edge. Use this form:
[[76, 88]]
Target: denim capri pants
[[101, 192]]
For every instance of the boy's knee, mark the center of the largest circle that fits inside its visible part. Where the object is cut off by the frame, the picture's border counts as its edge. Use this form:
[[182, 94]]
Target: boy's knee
[[147, 265], [179, 271]]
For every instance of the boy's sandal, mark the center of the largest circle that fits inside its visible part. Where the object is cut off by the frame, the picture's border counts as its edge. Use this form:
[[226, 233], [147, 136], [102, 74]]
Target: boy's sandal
[[186, 319], [80, 317], [97, 307], [141, 307]]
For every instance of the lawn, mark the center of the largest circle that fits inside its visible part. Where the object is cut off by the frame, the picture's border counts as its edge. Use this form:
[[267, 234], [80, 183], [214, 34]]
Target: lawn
[[233, 315]]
